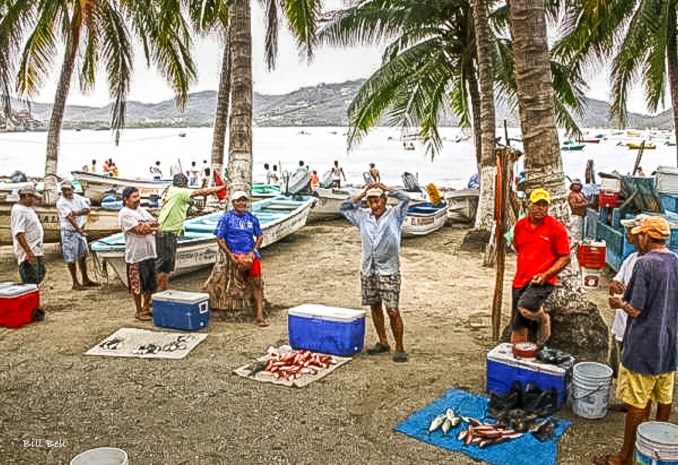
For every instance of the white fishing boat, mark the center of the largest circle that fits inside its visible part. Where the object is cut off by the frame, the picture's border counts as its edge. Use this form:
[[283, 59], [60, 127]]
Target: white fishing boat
[[95, 186], [462, 205], [328, 202], [100, 222], [197, 248], [424, 218]]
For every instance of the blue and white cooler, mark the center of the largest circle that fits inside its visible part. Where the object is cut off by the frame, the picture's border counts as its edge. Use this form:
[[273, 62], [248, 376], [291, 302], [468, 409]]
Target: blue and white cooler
[[328, 330], [181, 310], [503, 368]]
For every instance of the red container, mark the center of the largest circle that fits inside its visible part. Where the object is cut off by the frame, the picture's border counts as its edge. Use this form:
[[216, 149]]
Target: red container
[[592, 255], [18, 303], [608, 199]]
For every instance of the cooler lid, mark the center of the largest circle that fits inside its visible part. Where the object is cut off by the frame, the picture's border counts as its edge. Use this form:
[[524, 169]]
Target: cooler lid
[[326, 313], [181, 296], [503, 353], [14, 289]]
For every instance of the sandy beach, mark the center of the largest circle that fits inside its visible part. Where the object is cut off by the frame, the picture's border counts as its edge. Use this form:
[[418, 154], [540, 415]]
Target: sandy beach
[[195, 411]]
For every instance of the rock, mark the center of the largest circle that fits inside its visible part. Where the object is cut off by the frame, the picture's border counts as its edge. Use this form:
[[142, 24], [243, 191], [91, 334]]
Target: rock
[[475, 240]]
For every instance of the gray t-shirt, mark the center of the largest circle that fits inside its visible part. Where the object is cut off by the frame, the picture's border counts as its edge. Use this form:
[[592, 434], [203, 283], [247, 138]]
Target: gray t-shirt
[[650, 339], [138, 247]]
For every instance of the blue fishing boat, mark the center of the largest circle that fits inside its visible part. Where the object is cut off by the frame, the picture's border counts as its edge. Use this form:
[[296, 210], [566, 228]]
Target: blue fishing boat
[[197, 248], [424, 218]]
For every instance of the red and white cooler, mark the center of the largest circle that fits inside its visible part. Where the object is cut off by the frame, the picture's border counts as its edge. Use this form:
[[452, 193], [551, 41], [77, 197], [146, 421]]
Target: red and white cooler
[[19, 304]]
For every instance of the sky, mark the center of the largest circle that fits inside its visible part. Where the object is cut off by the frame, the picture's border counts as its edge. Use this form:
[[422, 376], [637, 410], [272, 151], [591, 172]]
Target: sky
[[292, 71]]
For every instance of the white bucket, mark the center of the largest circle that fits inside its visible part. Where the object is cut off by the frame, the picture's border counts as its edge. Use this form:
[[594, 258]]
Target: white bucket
[[590, 389], [101, 456], [657, 443]]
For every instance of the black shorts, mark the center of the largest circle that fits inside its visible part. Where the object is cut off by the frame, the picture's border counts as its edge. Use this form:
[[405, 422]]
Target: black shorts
[[531, 297], [166, 249], [32, 273]]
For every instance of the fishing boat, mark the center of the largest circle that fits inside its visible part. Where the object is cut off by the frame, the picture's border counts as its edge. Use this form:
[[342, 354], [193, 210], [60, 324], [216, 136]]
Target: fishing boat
[[100, 222], [462, 205], [670, 143], [589, 141], [265, 191], [197, 248], [95, 185], [636, 146], [424, 218], [572, 145], [328, 202]]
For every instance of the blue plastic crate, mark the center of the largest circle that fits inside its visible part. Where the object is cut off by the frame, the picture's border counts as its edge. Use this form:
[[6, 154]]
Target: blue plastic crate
[[181, 310], [328, 330], [614, 239], [503, 368], [669, 202]]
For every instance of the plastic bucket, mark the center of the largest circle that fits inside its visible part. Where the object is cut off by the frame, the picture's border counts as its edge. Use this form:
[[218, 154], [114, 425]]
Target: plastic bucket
[[101, 456], [590, 389], [657, 444]]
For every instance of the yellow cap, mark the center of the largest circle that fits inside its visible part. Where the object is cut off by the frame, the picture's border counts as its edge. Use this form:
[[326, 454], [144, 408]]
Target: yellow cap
[[654, 226], [540, 194]]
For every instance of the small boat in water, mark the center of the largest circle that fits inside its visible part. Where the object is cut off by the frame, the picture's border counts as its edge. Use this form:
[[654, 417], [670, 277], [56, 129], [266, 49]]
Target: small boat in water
[[636, 146], [462, 205], [197, 248], [572, 145], [265, 191], [424, 218], [95, 186]]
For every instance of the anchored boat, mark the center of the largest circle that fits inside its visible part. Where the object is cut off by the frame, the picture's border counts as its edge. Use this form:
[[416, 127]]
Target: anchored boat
[[424, 218]]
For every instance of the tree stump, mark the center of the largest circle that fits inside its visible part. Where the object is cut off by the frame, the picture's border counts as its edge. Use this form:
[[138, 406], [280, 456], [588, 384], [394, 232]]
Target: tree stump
[[230, 289], [475, 240]]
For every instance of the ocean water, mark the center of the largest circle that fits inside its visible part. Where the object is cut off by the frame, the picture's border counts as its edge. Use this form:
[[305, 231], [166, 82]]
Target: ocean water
[[317, 147]]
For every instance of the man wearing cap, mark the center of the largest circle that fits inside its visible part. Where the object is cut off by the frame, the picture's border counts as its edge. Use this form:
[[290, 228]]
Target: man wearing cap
[[578, 206], [543, 252], [381, 232], [239, 237], [27, 237], [139, 226], [73, 210], [648, 369], [171, 224]]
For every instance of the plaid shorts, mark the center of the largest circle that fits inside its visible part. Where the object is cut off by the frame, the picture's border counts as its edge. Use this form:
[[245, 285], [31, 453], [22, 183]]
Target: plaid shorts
[[73, 246], [377, 288]]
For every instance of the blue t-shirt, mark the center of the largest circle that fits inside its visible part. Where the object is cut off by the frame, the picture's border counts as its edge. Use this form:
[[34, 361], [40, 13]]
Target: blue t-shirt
[[239, 231], [650, 339]]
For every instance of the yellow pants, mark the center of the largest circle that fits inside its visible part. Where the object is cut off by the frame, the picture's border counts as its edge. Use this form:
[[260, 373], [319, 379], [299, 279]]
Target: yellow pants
[[637, 390]]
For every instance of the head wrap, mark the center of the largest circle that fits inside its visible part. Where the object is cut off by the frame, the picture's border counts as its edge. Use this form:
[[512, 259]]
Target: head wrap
[[180, 180]]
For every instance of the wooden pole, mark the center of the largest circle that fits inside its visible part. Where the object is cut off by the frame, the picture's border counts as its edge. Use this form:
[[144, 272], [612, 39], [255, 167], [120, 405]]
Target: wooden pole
[[506, 137], [638, 158], [499, 216]]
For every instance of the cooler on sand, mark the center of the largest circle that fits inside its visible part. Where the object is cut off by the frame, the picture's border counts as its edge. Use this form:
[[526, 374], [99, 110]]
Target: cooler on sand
[[503, 368], [19, 304], [181, 310], [328, 330]]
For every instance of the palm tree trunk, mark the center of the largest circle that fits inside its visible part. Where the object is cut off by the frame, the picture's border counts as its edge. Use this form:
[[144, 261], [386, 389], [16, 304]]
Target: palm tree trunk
[[577, 325], [474, 93], [487, 170], [240, 120], [57, 117], [221, 117], [672, 52]]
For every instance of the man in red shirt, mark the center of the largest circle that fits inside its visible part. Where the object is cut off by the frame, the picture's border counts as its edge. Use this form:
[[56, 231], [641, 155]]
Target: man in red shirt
[[543, 252]]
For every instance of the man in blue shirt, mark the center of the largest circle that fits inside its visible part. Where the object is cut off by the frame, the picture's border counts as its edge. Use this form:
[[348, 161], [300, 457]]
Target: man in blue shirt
[[239, 236], [648, 370], [380, 231]]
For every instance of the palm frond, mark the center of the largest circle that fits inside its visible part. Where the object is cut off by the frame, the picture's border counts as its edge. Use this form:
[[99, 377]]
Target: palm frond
[[303, 17], [17, 17], [271, 42]]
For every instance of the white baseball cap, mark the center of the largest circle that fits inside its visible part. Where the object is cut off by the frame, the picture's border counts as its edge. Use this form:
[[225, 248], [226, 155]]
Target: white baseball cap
[[239, 195]]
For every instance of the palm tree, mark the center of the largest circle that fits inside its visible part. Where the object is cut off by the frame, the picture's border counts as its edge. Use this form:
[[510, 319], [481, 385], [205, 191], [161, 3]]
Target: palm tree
[[99, 32], [642, 38], [543, 165]]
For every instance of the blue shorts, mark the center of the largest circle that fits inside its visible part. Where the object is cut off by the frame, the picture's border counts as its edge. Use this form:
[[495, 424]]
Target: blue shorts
[[73, 246]]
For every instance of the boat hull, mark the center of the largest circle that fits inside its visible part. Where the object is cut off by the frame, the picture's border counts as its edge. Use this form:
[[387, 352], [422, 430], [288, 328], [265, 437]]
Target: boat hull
[[95, 186], [328, 203], [462, 205], [420, 224]]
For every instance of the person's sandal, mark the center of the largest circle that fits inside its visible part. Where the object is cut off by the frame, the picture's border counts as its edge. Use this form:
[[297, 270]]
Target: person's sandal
[[378, 348], [400, 356], [143, 316]]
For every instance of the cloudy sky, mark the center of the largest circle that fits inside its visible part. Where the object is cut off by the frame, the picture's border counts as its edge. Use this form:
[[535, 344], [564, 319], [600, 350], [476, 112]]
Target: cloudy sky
[[292, 71]]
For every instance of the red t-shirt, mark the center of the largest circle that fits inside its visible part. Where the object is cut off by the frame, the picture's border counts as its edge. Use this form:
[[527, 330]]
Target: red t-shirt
[[538, 248]]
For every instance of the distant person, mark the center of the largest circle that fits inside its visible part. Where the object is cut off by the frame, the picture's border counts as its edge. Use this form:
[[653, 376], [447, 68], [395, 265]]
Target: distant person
[[578, 206], [267, 167], [315, 180], [473, 182], [374, 173], [275, 177], [139, 227], [206, 171], [193, 176], [114, 170], [302, 168], [171, 225], [27, 237], [93, 169], [380, 229], [73, 210], [640, 172], [155, 171], [108, 167], [336, 173], [85, 168]]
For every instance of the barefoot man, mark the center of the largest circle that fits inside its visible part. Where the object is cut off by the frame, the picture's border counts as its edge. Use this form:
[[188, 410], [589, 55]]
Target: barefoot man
[[543, 252], [381, 231]]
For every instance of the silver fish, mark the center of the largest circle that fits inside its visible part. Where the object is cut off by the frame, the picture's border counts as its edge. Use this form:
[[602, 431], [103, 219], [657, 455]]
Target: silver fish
[[436, 423], [447, 424]]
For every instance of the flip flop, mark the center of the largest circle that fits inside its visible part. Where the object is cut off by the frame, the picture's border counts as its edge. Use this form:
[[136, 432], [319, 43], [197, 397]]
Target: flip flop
[[144, 316], [378, 348], [400, 356], [91, 284], [262, 323]]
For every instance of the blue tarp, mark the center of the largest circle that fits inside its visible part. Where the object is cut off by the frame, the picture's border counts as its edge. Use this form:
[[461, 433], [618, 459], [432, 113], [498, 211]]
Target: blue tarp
[[526, 450]]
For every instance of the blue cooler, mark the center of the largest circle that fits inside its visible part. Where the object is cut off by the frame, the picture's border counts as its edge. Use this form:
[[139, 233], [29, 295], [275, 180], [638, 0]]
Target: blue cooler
[[328, 330], [503, 368], [181, 310]]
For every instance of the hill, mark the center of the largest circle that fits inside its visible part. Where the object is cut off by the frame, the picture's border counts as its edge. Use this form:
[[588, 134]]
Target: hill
[[320, 105]]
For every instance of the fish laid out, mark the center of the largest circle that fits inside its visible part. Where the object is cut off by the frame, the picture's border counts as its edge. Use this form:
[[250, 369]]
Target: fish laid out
[[293, 365], [478, 433]]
